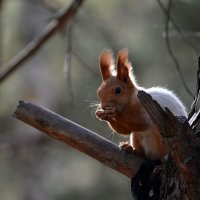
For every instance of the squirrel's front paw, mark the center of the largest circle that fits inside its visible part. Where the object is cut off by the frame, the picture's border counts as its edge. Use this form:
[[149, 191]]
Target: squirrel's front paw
[[101, 114], [125, 146], [108, 113]]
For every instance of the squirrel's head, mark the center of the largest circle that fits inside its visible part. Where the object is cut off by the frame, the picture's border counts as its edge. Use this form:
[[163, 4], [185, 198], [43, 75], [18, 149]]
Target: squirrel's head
[[117, 86]]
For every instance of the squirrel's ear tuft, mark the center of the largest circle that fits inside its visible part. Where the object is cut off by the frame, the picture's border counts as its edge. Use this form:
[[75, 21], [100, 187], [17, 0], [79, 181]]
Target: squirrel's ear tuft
[[105, 63], [123, 66]]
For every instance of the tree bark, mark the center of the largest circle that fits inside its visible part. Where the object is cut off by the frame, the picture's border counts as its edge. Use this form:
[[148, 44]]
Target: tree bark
[[79, 138], [180, 175]]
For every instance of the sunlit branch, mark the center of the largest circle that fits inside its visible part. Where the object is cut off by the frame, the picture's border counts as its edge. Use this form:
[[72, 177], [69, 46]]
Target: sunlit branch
[[79, 138]]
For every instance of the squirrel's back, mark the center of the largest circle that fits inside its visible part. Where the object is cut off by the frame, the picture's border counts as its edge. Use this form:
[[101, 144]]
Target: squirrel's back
[[167, 98]]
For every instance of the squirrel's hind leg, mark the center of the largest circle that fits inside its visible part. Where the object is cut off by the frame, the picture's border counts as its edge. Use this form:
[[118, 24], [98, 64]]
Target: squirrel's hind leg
[[136, 143]]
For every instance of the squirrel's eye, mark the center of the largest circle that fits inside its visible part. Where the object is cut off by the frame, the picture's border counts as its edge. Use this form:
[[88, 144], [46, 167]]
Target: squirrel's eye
[[118, 90]]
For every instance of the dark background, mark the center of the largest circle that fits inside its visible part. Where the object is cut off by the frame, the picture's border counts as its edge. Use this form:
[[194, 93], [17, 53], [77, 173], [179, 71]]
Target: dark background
[[33, 166]]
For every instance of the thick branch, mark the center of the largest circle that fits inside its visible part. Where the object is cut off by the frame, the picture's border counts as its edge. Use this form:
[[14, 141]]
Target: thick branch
[[78, 137], [176, 131], [195, 108], [63, 17], [182, 145]]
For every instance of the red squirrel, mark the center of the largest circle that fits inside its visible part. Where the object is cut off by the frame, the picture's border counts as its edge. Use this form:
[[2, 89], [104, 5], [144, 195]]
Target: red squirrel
[[121, 108]]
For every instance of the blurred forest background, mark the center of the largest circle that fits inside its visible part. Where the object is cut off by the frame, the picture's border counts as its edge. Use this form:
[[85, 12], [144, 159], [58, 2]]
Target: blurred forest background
[[35, 167]]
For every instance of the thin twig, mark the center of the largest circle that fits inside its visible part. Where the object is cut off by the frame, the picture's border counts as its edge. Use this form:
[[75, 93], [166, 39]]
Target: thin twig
[[67, 64], [178, 29], [50, 5], [101, 28], [187, 34], [170, 51], [83, 62], [63, 17]]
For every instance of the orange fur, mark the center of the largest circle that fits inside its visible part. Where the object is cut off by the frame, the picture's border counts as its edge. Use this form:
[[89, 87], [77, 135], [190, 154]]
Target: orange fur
[[105, 63], [123, 66], [121, 108]]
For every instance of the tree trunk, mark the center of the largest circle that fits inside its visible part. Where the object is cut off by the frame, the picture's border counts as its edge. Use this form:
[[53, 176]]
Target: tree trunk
[[180, 175]]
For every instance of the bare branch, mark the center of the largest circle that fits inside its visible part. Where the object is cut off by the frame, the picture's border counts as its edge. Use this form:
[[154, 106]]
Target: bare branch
[[171, 53], [178, 29], [67, 64], [50, 5], [83, 62], [79, 138], [63, 17]]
